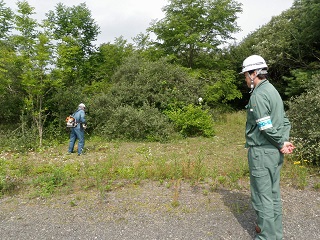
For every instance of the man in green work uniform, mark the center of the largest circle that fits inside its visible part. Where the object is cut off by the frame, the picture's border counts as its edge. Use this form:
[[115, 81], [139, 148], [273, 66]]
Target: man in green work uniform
[[267, 139]]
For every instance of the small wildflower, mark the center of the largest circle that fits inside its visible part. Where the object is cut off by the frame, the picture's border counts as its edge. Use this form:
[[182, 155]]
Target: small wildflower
[[297, 162]]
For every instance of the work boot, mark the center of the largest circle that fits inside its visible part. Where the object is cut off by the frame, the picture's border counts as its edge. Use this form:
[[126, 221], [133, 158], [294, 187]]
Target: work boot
[[258, 229]]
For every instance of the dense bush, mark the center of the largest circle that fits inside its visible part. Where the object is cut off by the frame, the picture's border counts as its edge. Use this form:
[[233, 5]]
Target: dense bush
[[158, 84], [304, 114], [19, 140], [192, 121], [300, 81], [141, 92], [130, 123]]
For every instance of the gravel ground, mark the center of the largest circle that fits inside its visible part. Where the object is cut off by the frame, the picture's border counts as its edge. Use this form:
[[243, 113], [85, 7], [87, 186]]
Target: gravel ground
[[152, 211]]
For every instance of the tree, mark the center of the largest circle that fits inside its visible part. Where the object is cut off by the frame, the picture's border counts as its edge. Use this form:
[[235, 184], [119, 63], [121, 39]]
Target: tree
[[307, 23], [145, 47], [194, 26], [158, 84], [288, 42], [7, 51], [109, 57], [222, 88], [34, 52], [11, 98], [37, 83], [23, 40], [6, 18], [75, 32], [26, 26], [304, 116], [141, 92]]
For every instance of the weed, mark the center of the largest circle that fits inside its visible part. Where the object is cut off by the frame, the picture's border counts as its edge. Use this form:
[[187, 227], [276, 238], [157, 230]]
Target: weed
[[8, 184], [73, 203], [297, 173], [317, 186], [46, 183], [218, 161], [222, 179], [205, 192], [176, 192]]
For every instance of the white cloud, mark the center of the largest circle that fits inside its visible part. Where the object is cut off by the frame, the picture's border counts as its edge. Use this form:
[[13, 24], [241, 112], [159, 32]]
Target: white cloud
[[128, 18], [256, 13]]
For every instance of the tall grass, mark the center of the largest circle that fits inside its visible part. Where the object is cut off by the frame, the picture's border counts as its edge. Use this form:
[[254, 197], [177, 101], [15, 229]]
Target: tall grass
[[220, 161]]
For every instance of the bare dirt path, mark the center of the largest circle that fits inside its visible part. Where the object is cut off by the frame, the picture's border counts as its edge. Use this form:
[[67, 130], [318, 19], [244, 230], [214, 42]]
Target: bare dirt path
[[153, 211]]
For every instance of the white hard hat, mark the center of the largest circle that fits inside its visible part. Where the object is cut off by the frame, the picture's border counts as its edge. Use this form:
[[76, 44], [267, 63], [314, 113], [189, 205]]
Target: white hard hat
[[252, 63], [81, 105]]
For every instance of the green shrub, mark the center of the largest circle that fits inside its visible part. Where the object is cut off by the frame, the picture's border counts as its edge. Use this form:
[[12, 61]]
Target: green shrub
[[222, 88], [129, 123], [51, 179], [141, 91], [160, 84], [18, 140], [192, 121], [304, 114], [300, 81], [8, 184]]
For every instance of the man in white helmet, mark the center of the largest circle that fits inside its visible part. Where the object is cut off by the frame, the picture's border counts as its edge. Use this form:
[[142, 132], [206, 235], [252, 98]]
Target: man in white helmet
[[267, 139], [77, 132]]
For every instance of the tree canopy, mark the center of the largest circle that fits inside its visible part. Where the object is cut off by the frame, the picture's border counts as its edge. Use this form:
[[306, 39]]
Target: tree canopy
[[192, 27]]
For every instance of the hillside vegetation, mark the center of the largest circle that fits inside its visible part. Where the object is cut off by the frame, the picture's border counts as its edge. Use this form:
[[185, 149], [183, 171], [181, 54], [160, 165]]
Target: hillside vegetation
[[166, 90]]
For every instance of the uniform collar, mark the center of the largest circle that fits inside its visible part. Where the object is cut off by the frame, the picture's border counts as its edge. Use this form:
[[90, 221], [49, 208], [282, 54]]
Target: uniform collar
[[261, 83]]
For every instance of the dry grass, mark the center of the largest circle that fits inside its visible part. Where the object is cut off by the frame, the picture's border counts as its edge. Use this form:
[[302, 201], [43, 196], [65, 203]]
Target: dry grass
[[218, 161]]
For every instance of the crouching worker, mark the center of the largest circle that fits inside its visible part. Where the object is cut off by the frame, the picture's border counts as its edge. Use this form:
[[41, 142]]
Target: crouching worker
[[267, 139], [77, 132]]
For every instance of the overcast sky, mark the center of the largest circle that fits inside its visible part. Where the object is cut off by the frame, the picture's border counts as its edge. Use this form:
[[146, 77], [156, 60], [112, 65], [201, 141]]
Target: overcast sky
[[128, 18]]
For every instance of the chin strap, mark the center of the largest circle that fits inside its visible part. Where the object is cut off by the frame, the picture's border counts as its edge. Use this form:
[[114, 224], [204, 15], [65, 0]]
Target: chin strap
[[252, 84], [252, 88]]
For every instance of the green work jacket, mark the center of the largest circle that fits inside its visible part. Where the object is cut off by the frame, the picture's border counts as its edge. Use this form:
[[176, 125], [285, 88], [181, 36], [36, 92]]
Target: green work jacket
[[267, 123]]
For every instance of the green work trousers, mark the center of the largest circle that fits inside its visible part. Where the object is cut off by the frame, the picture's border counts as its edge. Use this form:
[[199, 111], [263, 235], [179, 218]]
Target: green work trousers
[[265, 163]]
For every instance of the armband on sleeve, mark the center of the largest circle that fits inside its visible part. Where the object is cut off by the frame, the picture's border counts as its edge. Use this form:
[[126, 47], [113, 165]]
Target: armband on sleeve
[[264, 123]]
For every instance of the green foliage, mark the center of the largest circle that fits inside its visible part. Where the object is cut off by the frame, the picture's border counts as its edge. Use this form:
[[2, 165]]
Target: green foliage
[[21, 139], [26, 26], [304, 114], [158, 84], [219, 162], [126, 122], [222, 89], [191, 27], [141, 91], [192, 121], [288, 42], [75, 31], [109, 57], [36, 83], [300, 81], [48, 181], [6, 16], [75, 22], [308, 25]]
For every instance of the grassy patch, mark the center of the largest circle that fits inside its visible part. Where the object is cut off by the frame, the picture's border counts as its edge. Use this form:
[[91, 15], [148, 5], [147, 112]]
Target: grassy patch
[[220, 161]]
